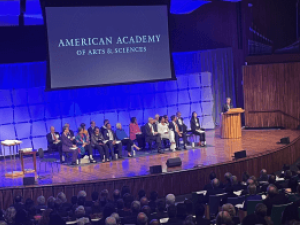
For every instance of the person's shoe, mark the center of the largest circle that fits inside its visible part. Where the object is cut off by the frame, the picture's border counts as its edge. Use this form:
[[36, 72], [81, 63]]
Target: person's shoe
[[160, 151], [92, 160], [107, 160], [129, 155], [178, 149], [184, 147]]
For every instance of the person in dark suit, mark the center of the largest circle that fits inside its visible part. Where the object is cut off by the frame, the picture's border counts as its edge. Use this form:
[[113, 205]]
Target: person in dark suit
[[212, 176], [113, 144], [54, 142], [174, 126], [274, 198], [71, 134], [196, 129], [103, 128], [258, 217], [199, 213], [172, 212], [68, 146], [252, 195], [217, 189], [228, 105], [151, 135], [98, 142], [182, 127], [92, 128]]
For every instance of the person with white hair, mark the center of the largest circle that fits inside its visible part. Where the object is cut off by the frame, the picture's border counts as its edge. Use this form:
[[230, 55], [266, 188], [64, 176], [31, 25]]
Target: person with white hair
[[151, 135], [117, 218], [156, 119], [81, 193], [110, 221], [123, 137], [166, 133], [170, 199]]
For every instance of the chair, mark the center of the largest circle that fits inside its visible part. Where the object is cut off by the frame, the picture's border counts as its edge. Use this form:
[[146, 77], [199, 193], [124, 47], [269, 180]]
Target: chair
[[251, 206], [196, 198], [214, 204], [46, 160], [276, 213]]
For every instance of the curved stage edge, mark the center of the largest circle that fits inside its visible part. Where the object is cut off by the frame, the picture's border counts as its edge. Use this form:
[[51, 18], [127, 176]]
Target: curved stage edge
[[176, 182]]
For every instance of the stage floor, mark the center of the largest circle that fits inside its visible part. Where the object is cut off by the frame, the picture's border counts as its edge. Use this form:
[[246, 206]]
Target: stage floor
[[217, 151]]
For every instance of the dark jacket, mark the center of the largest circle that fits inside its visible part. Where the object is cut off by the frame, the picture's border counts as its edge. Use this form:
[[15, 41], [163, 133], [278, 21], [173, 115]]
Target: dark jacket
[[181, 126], [194, 125], [278, 199], [105, 134], [49, 138], [148, 131], [96, 139], [225, 107]]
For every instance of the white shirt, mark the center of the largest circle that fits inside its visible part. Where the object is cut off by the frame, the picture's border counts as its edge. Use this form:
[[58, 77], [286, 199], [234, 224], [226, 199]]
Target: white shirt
[[180, 121], [110, 135], [163, 128]]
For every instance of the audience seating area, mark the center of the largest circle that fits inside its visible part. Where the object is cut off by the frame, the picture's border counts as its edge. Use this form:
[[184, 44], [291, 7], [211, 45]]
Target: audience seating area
[[269, 199]]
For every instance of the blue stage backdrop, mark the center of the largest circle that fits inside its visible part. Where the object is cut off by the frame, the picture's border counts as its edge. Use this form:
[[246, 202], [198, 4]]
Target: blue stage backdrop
[[204, 80]]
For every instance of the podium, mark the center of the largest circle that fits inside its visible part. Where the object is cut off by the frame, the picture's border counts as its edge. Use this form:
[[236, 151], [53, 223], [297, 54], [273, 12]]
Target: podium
[[231, 124]]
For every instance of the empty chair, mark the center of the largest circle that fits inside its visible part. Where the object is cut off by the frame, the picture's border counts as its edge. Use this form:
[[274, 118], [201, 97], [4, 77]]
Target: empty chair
[[277, 211]]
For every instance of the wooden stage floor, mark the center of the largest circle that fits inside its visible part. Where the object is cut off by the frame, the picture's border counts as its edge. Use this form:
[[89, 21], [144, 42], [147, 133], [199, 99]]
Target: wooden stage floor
[[218, 151]]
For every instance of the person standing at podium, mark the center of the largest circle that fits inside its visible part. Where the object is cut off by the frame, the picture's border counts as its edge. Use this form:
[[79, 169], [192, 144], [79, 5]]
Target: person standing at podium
[[228, 105]]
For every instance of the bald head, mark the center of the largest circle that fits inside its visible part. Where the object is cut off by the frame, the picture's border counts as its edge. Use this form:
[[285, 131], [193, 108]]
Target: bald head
[[216, 183], [142, 219], [110, 221], [170, 199], [223, 218]]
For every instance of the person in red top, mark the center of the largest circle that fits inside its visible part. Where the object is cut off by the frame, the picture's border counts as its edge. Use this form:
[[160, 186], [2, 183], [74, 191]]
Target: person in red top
[[135, 133]]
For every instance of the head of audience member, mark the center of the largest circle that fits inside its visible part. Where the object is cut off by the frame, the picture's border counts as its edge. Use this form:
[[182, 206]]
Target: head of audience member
[[141, 194], [254, 180], [150, 120], [245, 176], [250, 181], [120, 204], [117, 218], [172, 211], [251, 189], [2, 222], [41, 200], [106, 121], [125, 189], [155, 222], [18, 199], [227, 177], [161, 120], [28, 203], [108, 126], [95, 196], [133, 120], [288, 174], [81, 200], [194, 115], [79, 212], [128, 199], [199, 210], [110, 221], [147, 210], [119, 126], [178, 114], [104, 195], [212, 175], [189, 220], [234, 180], [65, 130], [144, 201], [156, 117], [83, 126], [215, 183], [272, 191], [135, 207], [223, 218], [228, 101], [62, 197], [173, 118], [45, 217], [263, 174], [52, 129], [272, 179], [181, 211], [10, 215], [189, 207], [96, 210], [230, 209], [56, 219], [74, 200], [116, 194], [81, 193], [153, 196], [108, 209], [161, 206], [50, 202], [170, 199], [22, 217], [57, 204], [93, 124], [142, 219]]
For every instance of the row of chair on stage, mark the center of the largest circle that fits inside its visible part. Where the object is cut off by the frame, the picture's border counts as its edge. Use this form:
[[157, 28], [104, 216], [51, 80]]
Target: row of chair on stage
[[106, 141]]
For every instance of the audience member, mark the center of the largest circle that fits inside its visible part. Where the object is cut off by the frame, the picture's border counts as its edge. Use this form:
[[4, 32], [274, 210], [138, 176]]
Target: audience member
[[258, 217], [142, 219], [172, 213], [199, 213], [231, 210], [224, 218], [217, 189], [161, 210], [152, 202], [117, 218], [251, 189], [170, 199]]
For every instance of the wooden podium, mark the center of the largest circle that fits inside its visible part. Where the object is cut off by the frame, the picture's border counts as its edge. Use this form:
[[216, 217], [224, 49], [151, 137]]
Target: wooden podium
[[231, 124]]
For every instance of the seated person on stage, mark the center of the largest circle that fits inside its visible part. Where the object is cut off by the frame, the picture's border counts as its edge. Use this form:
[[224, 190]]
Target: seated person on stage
[[228, 105], [103, 128], [84, 144], [123, 137], [54, 142], [92, 128], [85, 131], [69, 146], [113, 143], [182, 127], [166, 133], [71, 134], [98, 142], [166, 119], [151, 135], [175, 127], [156, 119], [196, 129], [135, 133]]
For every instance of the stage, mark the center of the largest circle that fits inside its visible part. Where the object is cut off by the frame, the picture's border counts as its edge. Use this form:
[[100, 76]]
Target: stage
[[218, 151]]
